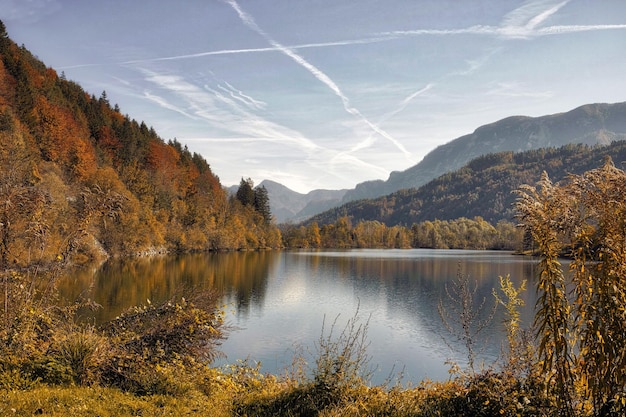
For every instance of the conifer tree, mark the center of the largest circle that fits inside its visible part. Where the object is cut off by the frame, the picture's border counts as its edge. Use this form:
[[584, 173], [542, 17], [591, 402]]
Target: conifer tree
[[245, 193], [262, 203]]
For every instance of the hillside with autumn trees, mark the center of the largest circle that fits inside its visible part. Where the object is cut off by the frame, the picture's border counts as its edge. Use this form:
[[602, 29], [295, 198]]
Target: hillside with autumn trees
[[79, 176]]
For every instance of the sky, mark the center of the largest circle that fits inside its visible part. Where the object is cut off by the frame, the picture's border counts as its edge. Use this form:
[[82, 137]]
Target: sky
[[325, 94]]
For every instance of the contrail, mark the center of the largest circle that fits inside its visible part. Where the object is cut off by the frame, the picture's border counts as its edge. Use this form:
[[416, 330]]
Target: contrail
[[541, 17], [557, 30], [519, 23], [404, 103], [407, 100], [370, 140], [349, 42], [317, 73]]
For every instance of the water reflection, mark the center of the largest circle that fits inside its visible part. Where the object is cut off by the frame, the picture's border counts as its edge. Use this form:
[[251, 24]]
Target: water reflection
[[401, 291], [281, 300], [240, 276]]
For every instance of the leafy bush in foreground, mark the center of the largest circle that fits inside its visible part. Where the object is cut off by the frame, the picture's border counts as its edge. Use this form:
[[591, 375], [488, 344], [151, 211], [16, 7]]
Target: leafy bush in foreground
[[154, 346]]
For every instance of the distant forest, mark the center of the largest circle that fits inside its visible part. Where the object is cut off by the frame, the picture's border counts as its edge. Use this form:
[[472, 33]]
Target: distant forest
[[78, 178], [461, 233]]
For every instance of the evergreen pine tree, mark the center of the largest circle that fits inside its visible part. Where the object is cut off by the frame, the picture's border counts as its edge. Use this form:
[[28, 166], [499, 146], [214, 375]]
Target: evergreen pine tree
[[245, 193], [262, 203]]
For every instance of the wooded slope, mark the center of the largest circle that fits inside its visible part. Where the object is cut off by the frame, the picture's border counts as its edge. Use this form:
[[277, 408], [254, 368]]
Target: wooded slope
[[481, 188], [76, 175]]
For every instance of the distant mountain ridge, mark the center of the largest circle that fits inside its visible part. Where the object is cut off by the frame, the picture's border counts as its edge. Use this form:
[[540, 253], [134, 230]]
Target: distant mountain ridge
[[288, 205], [590, 124]]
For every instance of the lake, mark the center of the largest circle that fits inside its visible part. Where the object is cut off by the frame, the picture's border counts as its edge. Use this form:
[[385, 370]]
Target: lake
[[278, 302]]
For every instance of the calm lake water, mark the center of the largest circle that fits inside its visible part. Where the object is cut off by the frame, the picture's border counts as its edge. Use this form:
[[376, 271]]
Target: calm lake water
[[278, 302]]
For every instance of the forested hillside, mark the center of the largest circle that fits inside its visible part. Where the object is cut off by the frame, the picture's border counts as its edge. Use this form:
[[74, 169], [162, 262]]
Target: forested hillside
[[481, 188], [77, 176]]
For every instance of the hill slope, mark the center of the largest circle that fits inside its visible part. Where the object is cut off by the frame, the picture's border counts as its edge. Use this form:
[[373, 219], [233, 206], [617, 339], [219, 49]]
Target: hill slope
[[77, 176], [481, 188]]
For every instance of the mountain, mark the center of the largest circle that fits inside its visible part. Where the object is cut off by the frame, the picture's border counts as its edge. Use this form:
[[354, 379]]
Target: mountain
[[589, 124], [484, 187], [290, 206]]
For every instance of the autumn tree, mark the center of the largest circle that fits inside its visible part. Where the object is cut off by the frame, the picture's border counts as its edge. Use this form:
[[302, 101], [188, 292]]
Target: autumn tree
[[312, 234], [22, 205], [4, 38]]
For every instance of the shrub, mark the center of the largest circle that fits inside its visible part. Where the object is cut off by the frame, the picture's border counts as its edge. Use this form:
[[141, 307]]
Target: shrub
[[81, 351], [341, 371], [150, 344]]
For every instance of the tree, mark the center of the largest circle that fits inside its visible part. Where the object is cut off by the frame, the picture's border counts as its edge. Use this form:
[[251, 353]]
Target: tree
[[4, 38], [262, 203], [313, 237], [245, 192]]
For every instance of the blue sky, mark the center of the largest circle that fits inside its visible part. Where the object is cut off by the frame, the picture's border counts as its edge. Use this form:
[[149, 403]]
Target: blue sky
[[328, 93]]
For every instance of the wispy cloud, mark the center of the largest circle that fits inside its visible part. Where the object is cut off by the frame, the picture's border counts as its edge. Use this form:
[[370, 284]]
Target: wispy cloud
[[241, 97], [162, 102], [222, 111], [523, 20], [228, 109], [318, 74], [513, 89], [475, 64], [521, 23]]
